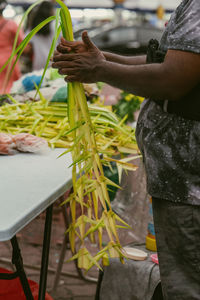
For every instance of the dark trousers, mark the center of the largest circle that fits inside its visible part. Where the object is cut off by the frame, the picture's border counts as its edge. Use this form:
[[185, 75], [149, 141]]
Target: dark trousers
[[177, 227]]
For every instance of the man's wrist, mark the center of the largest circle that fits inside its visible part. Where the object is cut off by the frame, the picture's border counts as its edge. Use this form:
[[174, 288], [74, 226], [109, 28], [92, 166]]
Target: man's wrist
[[100, 71]]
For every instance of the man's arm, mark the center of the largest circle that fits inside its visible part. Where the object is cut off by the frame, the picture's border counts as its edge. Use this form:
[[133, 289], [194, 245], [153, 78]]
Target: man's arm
[[125, 60], [171, 80], [81, 47]]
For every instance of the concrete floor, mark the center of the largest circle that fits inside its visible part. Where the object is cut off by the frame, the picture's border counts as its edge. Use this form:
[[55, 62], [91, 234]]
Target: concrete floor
[[30, 240]]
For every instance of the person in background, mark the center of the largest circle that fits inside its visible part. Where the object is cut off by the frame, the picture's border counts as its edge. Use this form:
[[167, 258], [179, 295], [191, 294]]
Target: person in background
[[39, 46], [168, 134], [8, 30]]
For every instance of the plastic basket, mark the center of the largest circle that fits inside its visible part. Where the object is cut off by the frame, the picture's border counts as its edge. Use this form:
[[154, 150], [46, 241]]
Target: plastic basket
[[12, 289]]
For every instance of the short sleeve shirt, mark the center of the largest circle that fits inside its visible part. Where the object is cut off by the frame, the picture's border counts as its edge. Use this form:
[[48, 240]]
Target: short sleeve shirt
[[183, 29], [170, 144]]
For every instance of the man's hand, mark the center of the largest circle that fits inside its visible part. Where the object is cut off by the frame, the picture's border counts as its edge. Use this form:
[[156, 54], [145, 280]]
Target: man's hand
[[81, 61], [75, 46]]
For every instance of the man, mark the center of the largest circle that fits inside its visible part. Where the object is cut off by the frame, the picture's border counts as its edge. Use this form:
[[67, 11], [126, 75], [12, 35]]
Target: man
[[168, 134]]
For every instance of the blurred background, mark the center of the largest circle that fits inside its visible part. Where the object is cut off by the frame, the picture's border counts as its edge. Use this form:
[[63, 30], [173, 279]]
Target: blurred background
[[120, 26]]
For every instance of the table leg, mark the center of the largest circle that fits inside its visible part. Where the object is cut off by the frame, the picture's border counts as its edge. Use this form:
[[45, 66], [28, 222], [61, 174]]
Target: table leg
[[45, 253], [18, 262], [60, 263]]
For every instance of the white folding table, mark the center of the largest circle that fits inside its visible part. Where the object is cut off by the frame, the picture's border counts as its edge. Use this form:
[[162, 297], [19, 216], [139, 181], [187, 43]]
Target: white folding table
[[30, 184]]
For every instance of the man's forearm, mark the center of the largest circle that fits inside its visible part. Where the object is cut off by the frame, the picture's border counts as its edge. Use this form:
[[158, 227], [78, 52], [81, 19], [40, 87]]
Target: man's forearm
[[125, 60], [143, 80], [171, 80]]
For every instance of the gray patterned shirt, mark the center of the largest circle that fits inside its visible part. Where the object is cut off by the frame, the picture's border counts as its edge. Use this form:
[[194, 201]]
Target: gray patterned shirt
[[169, 143]]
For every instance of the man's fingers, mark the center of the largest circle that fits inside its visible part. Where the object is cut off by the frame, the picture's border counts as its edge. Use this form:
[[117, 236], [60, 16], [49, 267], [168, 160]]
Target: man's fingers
[[64, 57], [56, 52], [63, 64], [71, 79], [67, 71], [67, 43], [63, 49], [87, 41]]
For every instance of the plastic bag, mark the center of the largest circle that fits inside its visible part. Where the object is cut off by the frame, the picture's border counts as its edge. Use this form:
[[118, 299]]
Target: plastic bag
[[23, 142], [132, 205], [26, 142], [7, 145]]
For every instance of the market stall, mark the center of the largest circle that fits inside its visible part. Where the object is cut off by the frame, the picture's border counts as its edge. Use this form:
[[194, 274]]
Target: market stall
[[98, 136]]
